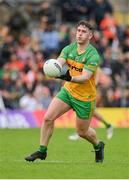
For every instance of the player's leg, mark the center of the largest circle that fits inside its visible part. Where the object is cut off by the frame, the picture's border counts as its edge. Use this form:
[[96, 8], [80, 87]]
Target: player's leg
[[84, 112], [58, 106], [109, 127], [55, 110], [89, 134]]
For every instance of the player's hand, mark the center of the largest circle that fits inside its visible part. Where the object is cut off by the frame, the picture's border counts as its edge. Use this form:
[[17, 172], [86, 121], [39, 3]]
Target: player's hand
[[66, 76]]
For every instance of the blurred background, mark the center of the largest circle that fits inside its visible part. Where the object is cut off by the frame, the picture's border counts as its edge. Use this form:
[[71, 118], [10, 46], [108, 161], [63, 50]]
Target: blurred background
[[33, 31]]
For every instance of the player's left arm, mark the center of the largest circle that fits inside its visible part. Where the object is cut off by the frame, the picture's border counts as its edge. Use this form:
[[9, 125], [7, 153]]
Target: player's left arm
[[86, 75]]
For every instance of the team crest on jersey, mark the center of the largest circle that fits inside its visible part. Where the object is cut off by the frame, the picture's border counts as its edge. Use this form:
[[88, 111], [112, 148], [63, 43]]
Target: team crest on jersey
[[77, 58]]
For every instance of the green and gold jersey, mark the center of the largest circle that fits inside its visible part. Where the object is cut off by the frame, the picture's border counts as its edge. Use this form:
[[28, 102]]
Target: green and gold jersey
[[88, 60]]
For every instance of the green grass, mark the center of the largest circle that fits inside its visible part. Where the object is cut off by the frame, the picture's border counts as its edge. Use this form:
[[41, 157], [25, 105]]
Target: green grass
[[66, 159]]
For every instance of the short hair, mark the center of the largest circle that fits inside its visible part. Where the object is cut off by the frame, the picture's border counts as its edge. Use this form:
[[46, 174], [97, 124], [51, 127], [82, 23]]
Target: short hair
[[86, 24]]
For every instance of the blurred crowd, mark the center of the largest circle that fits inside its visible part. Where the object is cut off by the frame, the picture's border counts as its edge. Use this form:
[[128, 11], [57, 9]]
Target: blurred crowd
[[40, 31]]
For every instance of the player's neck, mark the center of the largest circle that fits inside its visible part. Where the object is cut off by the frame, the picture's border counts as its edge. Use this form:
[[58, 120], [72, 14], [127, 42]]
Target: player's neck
[[82, 47]]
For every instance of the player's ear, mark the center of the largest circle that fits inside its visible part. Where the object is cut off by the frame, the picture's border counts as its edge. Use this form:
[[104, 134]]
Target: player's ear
[[90, 34]]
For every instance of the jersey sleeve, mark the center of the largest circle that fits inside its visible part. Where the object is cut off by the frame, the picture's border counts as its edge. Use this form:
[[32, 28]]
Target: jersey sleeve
[[64, 53], [92, 63]]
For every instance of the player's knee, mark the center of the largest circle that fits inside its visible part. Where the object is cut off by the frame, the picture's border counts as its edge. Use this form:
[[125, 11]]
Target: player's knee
[[48, 120], [90, 134]]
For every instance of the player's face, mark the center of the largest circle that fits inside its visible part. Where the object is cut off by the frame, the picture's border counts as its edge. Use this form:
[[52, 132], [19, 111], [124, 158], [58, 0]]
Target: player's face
[[83, 34]]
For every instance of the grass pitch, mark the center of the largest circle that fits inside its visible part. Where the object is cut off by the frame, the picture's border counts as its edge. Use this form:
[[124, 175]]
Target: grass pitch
[[66, 159]]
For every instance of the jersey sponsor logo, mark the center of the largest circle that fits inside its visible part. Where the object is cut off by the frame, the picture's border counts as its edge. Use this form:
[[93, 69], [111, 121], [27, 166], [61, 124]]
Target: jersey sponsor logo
[[75, 68]]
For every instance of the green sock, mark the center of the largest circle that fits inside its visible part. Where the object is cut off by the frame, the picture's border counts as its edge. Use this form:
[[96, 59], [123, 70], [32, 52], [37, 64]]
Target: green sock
[[42, 148], [97, 146]]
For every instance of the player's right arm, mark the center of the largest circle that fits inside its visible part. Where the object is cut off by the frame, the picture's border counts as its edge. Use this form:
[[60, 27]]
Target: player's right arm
[[63, 55], [62, 61]]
